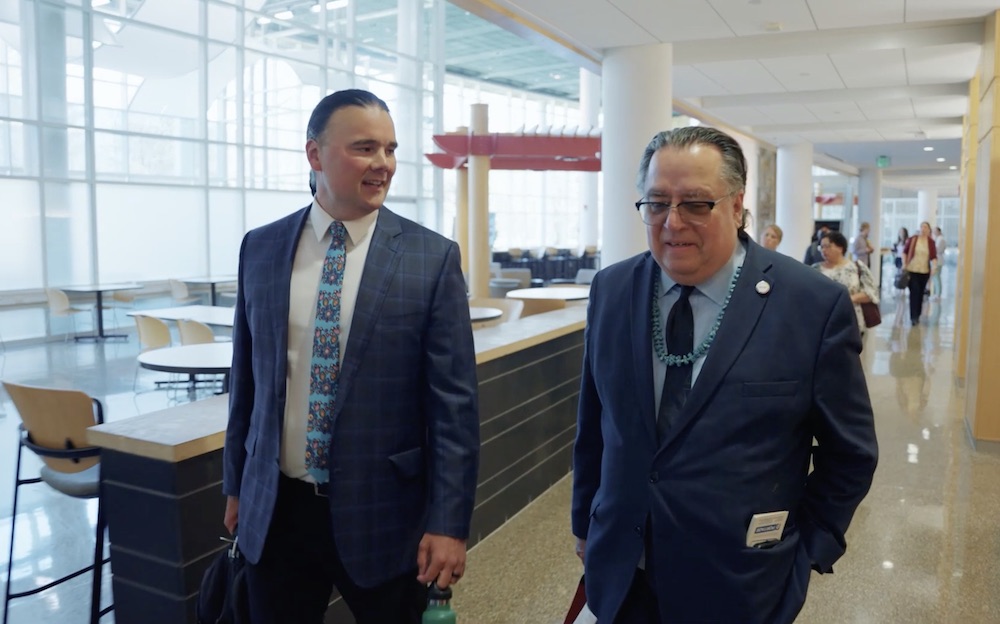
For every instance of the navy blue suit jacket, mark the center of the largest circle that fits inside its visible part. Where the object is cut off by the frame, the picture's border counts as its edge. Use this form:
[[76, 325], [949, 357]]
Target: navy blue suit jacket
[[784, 369], [405, 445]]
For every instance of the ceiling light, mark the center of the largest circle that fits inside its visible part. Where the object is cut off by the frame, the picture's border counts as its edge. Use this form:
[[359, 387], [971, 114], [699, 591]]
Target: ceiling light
[[953, 167], [263, 21], [315, 8], [99, 3], [773, 26], [336, 4], [928, 149], [284, 15], [940, 159]]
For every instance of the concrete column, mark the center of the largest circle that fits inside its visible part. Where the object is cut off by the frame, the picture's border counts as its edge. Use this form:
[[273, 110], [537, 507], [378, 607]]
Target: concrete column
[[479, 209], [983, 370], [794, 198], [926, 209], [870, 210], [462, 209], [638, 103], [590, 108]]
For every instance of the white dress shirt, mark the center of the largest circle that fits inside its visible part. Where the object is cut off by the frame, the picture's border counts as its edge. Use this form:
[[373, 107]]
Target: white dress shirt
[[306, 272]]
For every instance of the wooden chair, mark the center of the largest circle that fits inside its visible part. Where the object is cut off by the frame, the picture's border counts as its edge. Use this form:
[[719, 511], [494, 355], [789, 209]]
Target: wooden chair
[[153, 334], [538, 306], [53, 426], [585, 276], [195, 332], [180, 294], [59, 306]]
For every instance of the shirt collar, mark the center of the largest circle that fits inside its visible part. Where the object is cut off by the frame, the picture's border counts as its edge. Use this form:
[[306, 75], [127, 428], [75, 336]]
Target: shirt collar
[[717, 286], [356, 229]]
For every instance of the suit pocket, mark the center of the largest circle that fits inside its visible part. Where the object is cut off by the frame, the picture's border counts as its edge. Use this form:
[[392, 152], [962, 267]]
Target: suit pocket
[[408, 464], [769, 388]]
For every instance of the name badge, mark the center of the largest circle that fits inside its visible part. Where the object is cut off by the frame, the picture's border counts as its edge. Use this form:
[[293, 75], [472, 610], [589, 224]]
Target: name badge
[[766, 528]]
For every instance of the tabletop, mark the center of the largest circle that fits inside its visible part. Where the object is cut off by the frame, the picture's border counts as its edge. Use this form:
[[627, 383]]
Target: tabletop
[[211, 279], [220, 316], [85, 288], [566, 293], [208, 358], [484, 314]]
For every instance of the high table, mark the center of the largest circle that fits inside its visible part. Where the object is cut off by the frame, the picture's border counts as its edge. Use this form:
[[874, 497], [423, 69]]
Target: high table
[[219, 316], [481, 314], [212, 281], [566, 293], [99, 290], [214, 358]]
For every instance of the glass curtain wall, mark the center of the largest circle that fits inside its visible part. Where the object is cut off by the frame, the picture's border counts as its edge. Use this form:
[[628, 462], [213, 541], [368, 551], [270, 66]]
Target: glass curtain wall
[[139, 139]]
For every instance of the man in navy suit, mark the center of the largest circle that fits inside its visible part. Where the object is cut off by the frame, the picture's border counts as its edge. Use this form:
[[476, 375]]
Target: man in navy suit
[[693, 499], [388, 509]]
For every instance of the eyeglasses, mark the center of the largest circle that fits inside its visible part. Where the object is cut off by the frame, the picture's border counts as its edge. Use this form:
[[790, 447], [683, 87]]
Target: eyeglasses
[[691, 212]]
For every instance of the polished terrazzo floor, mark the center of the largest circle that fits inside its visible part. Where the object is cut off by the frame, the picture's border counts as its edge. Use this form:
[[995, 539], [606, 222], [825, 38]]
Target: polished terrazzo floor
[[923, 548]]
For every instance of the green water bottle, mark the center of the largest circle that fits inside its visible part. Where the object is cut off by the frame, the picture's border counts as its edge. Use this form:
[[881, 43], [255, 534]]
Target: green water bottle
[[439, 607]]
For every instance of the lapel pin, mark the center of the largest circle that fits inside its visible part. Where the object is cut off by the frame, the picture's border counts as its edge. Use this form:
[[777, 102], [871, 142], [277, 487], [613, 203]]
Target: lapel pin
[[763, 287]]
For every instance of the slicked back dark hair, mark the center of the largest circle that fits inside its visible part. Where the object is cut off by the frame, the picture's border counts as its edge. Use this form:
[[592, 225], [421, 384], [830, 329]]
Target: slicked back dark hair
[[838, 239], [734, 164], [334, 102]]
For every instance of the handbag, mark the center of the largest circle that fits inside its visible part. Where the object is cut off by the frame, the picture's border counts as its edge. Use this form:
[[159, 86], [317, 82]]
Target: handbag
[[869, 309], [902, 279], [578, 612], [222, 597]]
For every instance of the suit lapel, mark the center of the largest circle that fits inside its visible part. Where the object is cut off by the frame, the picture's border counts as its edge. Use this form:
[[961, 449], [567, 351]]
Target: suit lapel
[[642, 340], [380, 266], [741, 317], [284, 254]]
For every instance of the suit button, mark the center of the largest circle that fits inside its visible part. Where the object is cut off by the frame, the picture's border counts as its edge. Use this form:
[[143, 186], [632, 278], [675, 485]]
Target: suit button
[[654, 477], [638, 530]]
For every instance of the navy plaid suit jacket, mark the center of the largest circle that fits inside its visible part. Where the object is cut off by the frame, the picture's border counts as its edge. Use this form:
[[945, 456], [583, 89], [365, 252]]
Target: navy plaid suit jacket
[[405, 448]]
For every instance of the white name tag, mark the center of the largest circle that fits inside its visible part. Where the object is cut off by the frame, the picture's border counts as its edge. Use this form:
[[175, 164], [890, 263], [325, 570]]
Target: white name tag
[[766, 527]]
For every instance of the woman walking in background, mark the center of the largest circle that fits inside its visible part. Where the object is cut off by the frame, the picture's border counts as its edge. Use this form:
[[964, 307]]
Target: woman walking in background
[[855, 276], [898, 250], [919, 259], [939, 244]]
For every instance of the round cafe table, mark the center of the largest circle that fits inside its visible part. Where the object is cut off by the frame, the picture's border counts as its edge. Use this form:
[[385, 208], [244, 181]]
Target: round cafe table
[[566, 293], [480, 314], [198, 359]]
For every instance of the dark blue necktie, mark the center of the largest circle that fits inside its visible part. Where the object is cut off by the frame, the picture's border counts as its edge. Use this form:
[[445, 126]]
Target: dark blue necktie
[[679, 336]]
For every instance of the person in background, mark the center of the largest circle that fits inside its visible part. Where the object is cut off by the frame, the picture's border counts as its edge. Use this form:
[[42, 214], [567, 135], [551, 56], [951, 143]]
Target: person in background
[[898, 250], [772, 237], [862, 248], [813, 253], [351, 454], [939, 244], [855, 276], [704, 386], [919, 259]]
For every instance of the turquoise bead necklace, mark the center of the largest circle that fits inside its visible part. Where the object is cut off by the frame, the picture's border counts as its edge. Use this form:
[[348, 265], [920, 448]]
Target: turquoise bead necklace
[[658, 342]]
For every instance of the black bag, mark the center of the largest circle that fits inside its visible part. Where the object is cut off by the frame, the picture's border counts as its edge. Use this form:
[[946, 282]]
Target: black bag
[[222, 598], [902, 279], [869, 309]]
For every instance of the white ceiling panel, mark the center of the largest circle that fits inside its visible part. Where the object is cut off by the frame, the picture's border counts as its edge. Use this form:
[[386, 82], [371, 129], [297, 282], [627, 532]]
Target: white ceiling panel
[[595, 23], [902, 134], [877, 68], [804, 73], [788, 113], [832, 112], [856, 13], [741, 76], [821, 136], [689, 82], [742, 115], [753, 18], [929, 10], [887, 109], [860, 136], [941, 107], [677, 20], [949, 63]]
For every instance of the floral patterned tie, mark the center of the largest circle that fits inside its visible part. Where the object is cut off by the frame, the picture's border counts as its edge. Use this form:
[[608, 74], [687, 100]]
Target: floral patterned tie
[[324, 370]]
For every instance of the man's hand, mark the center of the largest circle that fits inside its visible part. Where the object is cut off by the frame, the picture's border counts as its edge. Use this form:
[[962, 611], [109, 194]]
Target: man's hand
[[440, 557], [581, 549], [232, 517]]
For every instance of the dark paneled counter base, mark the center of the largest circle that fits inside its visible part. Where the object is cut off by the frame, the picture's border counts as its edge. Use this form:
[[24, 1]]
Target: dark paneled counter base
[[165, 518]]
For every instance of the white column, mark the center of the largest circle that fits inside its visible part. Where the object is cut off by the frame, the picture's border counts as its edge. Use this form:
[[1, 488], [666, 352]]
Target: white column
[[926, 209], [794, 209], [870, 210], [462, 209], [590, 108], [479, 209], [638, 103]]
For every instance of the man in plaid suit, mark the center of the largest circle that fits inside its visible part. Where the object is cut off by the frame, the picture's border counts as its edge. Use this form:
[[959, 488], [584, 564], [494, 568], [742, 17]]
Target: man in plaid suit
[[387, 508]]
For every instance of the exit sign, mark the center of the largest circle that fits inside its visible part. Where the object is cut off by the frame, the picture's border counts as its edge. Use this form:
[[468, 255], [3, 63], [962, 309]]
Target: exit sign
[[883, 161]]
